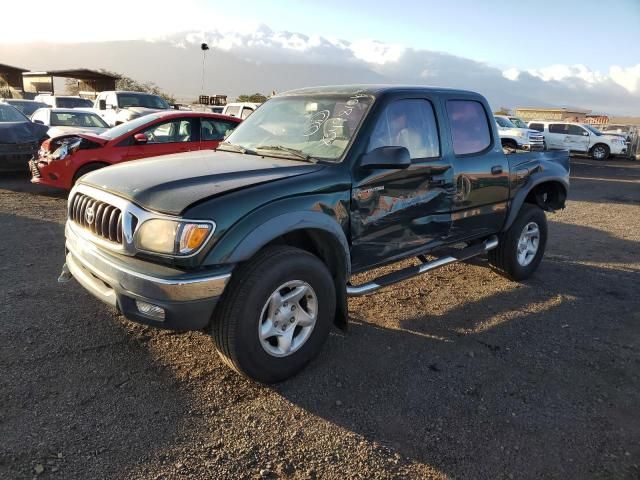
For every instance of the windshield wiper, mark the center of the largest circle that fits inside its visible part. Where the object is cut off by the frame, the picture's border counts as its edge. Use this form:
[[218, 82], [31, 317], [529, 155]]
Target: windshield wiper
[[293, 151], [235, 148]]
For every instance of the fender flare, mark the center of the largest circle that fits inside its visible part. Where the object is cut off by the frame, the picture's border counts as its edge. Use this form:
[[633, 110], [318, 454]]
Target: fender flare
[[518, 200], [285, 223]]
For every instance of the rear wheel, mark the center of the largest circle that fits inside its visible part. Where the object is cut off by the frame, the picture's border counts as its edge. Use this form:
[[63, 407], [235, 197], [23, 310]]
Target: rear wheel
[[275, 314], [521, 248], [600, 151]]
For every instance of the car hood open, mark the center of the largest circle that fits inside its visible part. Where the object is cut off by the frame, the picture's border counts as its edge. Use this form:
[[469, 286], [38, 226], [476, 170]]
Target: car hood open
[[171, 183]]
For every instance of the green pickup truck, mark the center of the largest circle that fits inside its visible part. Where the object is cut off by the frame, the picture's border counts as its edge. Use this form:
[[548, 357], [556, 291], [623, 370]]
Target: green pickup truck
[[258, 241]]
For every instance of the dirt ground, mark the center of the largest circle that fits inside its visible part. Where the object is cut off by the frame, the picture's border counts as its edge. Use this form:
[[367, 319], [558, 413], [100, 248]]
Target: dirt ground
[[457, 374]]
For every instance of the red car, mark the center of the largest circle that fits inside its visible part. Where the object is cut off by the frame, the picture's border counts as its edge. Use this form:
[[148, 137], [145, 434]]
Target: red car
[[62, 160]]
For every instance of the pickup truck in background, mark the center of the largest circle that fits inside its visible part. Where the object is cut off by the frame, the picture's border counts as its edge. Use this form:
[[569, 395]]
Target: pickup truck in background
[[579, 138], [516, 138], [258, 241], [239, 109], [118, 107]]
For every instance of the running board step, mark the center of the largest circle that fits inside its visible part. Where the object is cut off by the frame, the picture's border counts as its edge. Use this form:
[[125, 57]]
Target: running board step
[[415, 270]]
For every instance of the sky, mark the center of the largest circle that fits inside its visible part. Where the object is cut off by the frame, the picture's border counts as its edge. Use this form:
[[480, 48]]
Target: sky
[[569, 52], [519, 34]]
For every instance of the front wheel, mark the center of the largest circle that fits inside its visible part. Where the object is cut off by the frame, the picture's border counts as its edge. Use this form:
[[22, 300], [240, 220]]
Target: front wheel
[[521, 248], [600, 152], [275, 314]]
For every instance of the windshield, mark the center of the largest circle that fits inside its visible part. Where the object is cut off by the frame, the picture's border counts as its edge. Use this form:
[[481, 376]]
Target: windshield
[[77, 119], [319, 126], [10, 114], [128, 126], [503, 122], [593, 130], [518, 122], [72, 102], [126, 100]]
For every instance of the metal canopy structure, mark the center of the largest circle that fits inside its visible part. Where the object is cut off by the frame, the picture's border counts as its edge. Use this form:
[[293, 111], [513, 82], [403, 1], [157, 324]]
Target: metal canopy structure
[[90, 82], [11, 80]]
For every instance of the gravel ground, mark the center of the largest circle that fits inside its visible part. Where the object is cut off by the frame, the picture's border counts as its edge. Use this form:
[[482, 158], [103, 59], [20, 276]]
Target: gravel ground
[[457, 374]]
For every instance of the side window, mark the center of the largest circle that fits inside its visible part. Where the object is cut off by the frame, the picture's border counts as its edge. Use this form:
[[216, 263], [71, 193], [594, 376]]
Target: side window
[[575, 130], [169, 132], [246, 112], [215, 130], [410, 124], [558, 128], [470, 130], [537, 126]]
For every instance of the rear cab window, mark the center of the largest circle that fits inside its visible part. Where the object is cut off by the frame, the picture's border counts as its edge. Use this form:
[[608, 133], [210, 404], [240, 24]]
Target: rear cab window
[[470, 130], [558, 128], [537, 126]]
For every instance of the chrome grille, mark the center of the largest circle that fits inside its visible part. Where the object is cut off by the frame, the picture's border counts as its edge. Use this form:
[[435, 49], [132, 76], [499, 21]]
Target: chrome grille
[[101, 218]]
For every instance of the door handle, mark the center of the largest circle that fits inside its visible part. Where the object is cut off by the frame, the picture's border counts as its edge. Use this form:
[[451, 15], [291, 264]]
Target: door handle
[[496, 170]]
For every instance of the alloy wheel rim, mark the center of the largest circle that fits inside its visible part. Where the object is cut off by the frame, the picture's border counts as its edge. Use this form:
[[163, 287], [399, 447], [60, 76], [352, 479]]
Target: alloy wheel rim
[[528, 243], [287, 318], [599, 152]]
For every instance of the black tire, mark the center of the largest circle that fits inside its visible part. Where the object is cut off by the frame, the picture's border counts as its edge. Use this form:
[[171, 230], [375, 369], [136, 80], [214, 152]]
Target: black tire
[[235, 323], [600, 151], [86, 169], [505, 256]]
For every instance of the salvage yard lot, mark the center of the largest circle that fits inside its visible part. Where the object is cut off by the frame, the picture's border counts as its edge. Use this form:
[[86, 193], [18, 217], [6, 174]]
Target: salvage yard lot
[[457, 374]]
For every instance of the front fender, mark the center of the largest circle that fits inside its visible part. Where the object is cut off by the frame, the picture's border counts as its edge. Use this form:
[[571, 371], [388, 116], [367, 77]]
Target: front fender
[[328, 213]]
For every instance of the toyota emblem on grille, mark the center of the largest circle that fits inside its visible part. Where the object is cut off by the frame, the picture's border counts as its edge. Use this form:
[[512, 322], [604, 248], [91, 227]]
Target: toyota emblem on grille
[[89, 215]]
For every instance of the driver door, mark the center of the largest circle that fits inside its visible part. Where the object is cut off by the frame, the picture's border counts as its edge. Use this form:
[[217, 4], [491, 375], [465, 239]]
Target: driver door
[[171, 136], [397, 211]]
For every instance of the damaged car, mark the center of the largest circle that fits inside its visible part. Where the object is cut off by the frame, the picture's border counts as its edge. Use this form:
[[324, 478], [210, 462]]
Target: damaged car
[[62, 160], [19, 138]]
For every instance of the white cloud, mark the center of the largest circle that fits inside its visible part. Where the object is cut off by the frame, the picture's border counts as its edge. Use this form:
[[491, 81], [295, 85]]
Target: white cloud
[[511, 74], [629, 77], [375, 52]]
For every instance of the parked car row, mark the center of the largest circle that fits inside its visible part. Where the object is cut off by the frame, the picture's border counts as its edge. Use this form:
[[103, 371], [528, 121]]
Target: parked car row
[[515, 134]]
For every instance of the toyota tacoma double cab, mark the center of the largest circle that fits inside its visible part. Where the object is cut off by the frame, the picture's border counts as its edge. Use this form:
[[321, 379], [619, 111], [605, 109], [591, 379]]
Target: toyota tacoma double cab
[[258, 241]]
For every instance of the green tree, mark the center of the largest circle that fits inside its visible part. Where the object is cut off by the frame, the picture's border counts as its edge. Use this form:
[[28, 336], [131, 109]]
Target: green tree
[[255, 98]]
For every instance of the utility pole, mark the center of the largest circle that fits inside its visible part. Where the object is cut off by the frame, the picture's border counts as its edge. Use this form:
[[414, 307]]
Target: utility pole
[[204, 47]]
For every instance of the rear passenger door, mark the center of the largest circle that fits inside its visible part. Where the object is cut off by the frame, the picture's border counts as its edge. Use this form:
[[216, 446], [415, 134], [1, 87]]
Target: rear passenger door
[[556, 136], [481, 170]]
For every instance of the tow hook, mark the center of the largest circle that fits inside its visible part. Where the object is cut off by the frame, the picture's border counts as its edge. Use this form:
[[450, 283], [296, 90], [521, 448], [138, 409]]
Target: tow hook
[[65, 275]]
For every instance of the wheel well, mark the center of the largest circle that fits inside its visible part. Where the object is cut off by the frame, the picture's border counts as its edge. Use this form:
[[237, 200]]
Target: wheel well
[[549, 196], [327, 248], [98, 164], [600, 143]]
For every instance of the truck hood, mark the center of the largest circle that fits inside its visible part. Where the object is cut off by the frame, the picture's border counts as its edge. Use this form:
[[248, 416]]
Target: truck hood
[[171, 183]]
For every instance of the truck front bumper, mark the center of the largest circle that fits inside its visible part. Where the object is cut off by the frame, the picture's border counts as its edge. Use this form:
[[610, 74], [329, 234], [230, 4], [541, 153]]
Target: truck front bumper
[[179, 300]]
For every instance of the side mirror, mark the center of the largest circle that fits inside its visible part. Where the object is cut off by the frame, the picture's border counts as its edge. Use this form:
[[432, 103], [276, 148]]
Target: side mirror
[[386, 157], [102, 104], [140, 139], [39, 121], [586, 134]]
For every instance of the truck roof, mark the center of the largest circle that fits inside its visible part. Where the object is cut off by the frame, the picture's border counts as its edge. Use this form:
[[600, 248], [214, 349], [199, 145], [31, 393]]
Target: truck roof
[[371, 89]]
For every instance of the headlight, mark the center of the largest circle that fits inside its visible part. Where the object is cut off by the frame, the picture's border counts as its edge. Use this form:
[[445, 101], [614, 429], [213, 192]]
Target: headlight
[[67, 148], [172, 237]]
